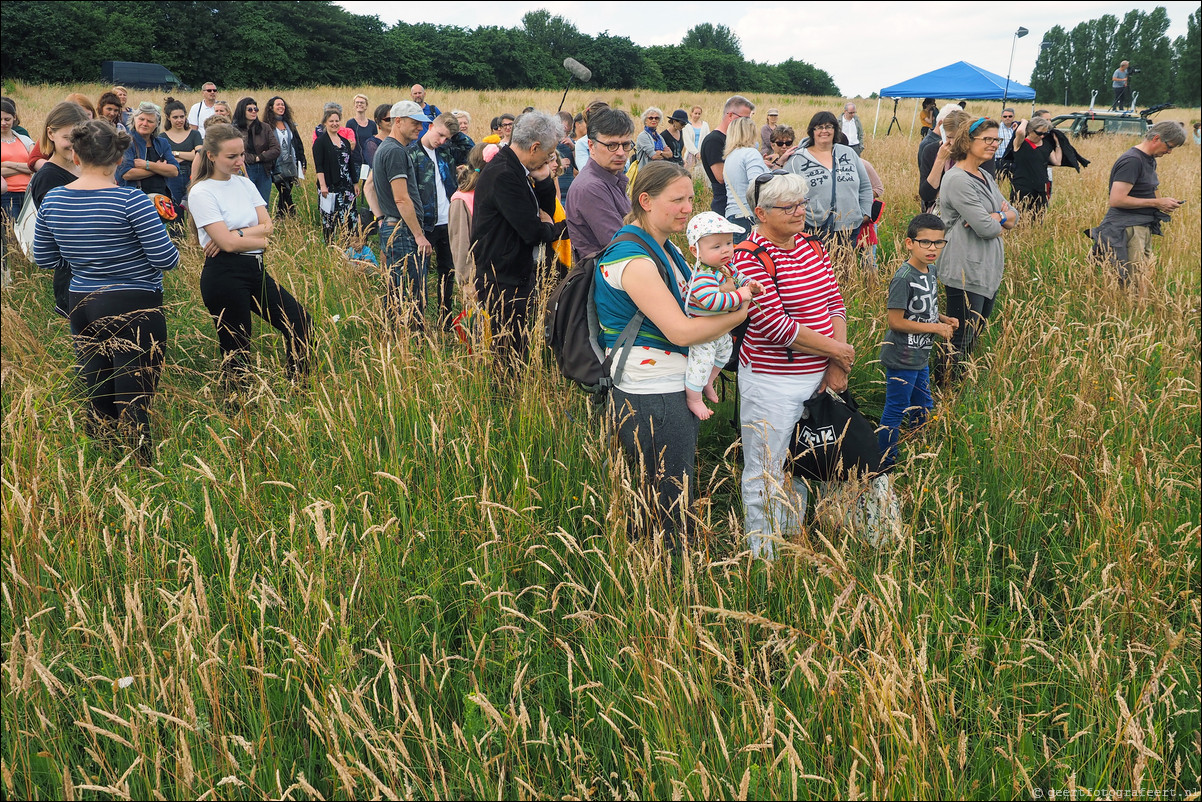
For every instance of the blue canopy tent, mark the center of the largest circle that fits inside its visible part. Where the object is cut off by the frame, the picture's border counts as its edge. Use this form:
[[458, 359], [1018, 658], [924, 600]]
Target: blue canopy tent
[[961, 80]]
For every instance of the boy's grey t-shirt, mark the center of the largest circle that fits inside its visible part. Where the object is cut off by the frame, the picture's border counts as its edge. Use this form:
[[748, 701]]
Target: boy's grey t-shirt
[[917, 294], [393, 160]]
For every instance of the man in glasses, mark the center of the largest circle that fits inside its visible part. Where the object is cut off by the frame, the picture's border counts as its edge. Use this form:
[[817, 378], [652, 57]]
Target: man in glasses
[[852, 128], [1137, 208], [1005, 135], [714, 147], [597, 201], [204, 109]]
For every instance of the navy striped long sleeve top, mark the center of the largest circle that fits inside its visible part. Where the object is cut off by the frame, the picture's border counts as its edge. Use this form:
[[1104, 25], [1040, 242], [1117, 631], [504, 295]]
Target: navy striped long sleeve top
[[113, 239]]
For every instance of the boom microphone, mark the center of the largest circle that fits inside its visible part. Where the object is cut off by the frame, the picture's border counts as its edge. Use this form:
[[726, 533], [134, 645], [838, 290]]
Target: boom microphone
[[578, 71], [581, 72]]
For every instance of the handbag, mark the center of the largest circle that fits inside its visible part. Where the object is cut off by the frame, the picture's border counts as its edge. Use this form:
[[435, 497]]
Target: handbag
[[833, 440]]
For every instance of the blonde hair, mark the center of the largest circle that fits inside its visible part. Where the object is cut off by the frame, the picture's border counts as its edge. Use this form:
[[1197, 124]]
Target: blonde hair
[[652, 180], [216, 135], [741, 134]]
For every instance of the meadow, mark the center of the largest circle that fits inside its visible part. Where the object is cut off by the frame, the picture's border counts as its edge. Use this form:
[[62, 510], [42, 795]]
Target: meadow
[[392, 583]]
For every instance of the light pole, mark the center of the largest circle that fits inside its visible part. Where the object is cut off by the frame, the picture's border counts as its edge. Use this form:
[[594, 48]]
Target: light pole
[[1019, 34]]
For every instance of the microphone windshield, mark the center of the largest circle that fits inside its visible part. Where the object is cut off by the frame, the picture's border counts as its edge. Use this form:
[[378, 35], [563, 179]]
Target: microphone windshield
[[582, 73]]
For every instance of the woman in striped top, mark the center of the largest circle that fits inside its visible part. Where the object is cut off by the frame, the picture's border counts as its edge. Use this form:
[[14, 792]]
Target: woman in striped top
[[795, 346], [118, 249]]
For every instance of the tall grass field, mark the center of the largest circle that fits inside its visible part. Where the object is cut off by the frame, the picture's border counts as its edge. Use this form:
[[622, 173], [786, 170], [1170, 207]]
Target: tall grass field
[[392, 582]]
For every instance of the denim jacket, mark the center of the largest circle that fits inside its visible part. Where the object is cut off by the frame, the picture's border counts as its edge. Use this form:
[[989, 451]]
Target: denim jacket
[[137, 150]]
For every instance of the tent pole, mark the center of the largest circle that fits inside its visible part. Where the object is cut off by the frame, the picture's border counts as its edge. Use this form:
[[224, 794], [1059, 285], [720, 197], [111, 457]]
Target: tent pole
[[877, 118], [913, 119]]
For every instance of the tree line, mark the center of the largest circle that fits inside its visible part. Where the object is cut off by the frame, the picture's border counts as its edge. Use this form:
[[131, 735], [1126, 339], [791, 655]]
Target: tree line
[[294, 44], [1072, 64]]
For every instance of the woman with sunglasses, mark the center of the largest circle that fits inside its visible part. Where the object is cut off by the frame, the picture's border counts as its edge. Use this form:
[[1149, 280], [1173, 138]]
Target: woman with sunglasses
[[649, 145], [795, 346], [262, 146], [840, 195], [290, 165], [1029, 175], [742, 163], [977, 216], [782, 141]]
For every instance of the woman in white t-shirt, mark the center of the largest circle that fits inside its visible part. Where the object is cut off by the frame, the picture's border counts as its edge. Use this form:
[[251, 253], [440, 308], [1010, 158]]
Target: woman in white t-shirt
[[647, 402], [234, 228]]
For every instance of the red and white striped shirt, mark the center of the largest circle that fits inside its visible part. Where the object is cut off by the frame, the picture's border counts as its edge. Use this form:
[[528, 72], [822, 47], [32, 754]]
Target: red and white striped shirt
[[804, 293]]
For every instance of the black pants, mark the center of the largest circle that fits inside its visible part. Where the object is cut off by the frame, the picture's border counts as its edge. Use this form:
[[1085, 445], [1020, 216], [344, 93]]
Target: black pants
[[284, 205], [659, 435], [120, 337], [972, 311], [444, 263], [508, 308], [1120, 98], [233, 285]]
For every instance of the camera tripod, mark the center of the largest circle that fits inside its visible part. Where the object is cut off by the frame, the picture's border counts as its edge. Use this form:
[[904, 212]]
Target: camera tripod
[[894, 121]]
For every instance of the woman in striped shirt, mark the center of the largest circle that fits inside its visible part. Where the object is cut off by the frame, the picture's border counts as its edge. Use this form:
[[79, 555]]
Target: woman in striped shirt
[[118, 249], [795, 346]]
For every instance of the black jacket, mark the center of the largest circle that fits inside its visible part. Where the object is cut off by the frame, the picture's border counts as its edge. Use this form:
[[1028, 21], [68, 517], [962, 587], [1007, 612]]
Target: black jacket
[[506, 227], [1069, 157]]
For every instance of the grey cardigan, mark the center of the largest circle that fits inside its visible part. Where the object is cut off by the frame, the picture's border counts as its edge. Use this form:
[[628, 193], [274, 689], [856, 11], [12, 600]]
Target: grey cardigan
[[853, 192], [974, 256]]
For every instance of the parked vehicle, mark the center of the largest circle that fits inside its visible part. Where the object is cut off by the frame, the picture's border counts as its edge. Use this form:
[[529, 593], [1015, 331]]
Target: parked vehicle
[[1088, 123], [139, 75]]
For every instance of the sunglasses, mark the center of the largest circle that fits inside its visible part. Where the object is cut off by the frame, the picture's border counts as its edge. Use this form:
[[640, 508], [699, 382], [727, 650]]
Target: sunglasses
[[784, 143], [252, 108], [762, 179]]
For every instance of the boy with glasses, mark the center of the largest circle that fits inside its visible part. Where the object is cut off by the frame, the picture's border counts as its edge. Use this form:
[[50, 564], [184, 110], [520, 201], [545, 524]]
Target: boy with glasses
[[914, 321]]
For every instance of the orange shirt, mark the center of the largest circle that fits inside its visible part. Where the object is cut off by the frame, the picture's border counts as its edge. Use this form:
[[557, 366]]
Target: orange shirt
[[15, 151]]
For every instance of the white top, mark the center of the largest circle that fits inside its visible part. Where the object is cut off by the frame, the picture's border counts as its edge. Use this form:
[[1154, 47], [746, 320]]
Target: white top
[[444, 203], [648, 371], [199, 113], [233, 202], [848, 127]]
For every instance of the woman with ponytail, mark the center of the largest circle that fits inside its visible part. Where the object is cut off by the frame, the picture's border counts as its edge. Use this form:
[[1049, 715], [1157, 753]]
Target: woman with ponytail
[[117, 248], [234, 229]]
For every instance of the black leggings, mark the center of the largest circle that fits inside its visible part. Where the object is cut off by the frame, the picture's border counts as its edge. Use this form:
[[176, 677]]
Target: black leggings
[[284, 205], [444, 263], [972, 311], [235, 284], [119, 344]]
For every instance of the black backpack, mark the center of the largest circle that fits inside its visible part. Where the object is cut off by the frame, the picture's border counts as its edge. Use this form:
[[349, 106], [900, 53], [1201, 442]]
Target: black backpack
[[573, 329]]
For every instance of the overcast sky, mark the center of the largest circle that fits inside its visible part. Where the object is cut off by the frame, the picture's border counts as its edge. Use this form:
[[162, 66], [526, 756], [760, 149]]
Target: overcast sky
[[864, 46]]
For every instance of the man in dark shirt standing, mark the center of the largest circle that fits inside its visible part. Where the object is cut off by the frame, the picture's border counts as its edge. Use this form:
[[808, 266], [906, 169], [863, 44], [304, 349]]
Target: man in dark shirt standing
[[597, 201], [714, 146], [1136, 207]]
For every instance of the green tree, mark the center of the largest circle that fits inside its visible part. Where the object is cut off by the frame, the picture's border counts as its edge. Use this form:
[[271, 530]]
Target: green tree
[[707, 36], [1187, 63]]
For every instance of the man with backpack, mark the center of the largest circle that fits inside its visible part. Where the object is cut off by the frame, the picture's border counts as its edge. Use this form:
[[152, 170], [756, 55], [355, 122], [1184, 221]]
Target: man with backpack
[[597, 201]]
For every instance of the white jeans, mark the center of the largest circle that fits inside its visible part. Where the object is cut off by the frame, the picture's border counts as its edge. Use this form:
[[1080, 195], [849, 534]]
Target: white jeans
[[770, 406]]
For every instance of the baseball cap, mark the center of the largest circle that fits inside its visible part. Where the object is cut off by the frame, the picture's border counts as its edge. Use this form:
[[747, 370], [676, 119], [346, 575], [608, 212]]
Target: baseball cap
[[407, 108], [706, 223]]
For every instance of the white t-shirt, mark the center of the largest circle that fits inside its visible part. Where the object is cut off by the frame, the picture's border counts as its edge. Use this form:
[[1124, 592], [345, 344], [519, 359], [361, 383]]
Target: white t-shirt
[[648, 371], [444, 203], [233, 202], [848, 127], [199, 113]]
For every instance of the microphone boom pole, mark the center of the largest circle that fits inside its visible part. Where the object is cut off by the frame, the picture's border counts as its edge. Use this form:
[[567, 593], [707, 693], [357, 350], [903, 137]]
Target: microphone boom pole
[[575, 70]]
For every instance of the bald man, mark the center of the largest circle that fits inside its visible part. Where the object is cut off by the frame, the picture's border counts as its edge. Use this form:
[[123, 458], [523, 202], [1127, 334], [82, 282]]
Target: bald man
[[418, 92]]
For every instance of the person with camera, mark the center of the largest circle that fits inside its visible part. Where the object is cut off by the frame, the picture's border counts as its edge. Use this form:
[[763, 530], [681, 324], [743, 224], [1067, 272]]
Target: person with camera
[[1120, 80]]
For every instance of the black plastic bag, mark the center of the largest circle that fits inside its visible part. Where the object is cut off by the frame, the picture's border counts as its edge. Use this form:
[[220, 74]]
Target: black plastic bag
[[833, 439]]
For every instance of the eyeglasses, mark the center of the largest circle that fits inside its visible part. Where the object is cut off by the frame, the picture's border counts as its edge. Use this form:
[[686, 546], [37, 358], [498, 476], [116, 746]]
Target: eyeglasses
[[931, 243], [791, 209], [827, 127], [507, 125], [990, 140], [385, 119], [613, 147], [762, 179], [784, 143]]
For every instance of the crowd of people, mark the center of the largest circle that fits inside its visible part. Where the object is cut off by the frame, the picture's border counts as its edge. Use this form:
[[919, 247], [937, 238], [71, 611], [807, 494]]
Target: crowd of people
[[593, 188]]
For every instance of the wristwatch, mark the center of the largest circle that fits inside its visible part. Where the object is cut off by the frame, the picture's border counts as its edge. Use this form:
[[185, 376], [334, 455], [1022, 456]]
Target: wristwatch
[[238, 231]]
